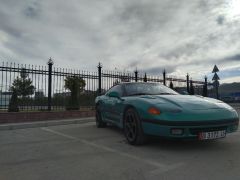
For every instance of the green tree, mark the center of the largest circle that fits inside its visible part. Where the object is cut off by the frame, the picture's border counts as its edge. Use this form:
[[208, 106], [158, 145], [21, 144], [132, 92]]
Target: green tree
[[76, 85], [22, 86]]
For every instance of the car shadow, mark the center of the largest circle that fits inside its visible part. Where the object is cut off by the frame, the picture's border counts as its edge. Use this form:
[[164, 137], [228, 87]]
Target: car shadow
[[183, 145], [175, 144], [115, 129]]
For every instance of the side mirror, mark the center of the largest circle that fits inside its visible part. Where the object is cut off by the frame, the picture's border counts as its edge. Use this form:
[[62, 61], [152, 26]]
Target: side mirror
[[114, 94]]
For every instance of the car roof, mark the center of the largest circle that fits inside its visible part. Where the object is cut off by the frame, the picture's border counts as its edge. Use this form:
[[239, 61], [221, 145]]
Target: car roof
[[123, 83]]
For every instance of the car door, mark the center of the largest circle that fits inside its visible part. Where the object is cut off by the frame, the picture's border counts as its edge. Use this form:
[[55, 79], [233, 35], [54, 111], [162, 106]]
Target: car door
[[114, 104], [105, 107], [108, 104]]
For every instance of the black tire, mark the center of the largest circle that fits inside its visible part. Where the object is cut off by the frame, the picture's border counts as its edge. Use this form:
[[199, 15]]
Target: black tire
[[133, 128], [99, 122]]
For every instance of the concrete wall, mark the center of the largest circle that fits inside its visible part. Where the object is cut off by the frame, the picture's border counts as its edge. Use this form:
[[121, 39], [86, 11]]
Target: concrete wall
[[15, 117]]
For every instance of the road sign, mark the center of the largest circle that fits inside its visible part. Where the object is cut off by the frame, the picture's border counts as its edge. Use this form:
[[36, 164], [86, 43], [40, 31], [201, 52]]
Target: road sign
[[215, 77], [216, 83], [215, 69]]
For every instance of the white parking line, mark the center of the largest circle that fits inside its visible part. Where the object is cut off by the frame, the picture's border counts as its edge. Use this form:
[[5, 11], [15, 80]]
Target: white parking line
[[160, 167], [59, 133]]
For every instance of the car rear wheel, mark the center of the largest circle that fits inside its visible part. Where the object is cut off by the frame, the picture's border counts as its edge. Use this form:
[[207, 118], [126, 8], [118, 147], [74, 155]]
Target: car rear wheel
[[133, 128], [99, 121]]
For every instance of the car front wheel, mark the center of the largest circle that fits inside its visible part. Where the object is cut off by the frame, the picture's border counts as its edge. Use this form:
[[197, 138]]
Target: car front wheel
[[133, 128]]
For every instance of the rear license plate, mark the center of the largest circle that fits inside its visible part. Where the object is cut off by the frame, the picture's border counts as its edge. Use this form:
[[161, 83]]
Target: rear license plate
[[212, 135]]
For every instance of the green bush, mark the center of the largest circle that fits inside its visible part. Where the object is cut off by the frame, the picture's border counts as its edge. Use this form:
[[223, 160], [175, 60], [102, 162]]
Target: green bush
[[76, 85]]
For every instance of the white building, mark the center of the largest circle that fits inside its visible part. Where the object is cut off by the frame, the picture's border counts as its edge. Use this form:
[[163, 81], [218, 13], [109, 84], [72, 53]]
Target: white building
[[5, 98]]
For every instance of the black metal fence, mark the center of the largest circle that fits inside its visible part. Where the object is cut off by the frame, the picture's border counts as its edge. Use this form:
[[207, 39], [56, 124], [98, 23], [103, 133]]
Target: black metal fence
[[50, 91]]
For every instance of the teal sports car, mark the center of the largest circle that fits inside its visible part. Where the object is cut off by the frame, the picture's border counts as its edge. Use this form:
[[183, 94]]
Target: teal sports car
[[142, 109]]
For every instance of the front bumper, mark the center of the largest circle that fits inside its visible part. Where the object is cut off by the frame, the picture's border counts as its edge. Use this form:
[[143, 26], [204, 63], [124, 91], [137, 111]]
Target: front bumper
[[191, 129]]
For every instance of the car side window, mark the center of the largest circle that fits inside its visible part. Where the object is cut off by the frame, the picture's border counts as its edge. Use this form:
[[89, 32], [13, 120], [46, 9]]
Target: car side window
[[117, 89]]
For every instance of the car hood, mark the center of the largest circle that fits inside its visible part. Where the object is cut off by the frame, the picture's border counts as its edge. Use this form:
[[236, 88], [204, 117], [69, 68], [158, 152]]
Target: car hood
[[186, 108], [185, 102]]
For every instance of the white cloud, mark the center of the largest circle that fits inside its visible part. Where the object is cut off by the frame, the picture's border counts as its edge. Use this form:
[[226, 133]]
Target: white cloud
[[181, 36], [231, 80]]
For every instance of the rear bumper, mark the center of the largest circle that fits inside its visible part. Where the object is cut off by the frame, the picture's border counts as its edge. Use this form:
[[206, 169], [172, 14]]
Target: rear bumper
[[191, 129]]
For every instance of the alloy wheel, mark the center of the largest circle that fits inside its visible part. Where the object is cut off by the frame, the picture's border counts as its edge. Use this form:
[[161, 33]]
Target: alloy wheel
[[131, 126]]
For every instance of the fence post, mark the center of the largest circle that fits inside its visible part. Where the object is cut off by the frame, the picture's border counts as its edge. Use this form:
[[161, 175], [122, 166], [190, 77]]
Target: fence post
[[215, 79], [136, 75], [171, 84], [205, 90], [145, 77], [217, 87], [191, 88], [188, 83], [164, 77], [50, 64], [99, 78]]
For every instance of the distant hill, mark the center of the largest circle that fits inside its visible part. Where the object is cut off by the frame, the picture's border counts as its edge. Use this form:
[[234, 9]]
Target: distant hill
[[227, 88]]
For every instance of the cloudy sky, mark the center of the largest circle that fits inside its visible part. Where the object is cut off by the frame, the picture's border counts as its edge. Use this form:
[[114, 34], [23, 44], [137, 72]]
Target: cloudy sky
[[182, 36]]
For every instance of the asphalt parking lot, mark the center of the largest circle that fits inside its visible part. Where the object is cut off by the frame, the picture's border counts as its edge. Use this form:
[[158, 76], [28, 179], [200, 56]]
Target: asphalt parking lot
[[81, 151]]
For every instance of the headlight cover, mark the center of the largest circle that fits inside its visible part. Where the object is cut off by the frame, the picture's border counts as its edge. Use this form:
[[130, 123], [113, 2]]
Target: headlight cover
[[154, 111]]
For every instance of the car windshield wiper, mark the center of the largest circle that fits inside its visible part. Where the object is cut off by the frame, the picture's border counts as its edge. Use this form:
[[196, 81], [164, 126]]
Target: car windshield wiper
[[165, 94], [138, 94]]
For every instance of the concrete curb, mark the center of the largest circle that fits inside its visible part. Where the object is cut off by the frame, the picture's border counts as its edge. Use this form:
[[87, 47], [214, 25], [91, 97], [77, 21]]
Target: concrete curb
[[13, 126]]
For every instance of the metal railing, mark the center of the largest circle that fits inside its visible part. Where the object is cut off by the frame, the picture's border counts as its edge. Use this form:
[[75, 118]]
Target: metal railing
[[50, 92]]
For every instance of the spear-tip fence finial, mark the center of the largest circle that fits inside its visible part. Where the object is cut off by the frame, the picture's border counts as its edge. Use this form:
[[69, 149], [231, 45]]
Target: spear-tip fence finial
[[50, 61]]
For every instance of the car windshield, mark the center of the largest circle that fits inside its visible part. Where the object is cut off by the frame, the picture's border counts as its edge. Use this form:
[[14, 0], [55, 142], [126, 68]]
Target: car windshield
[[134, 89]]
